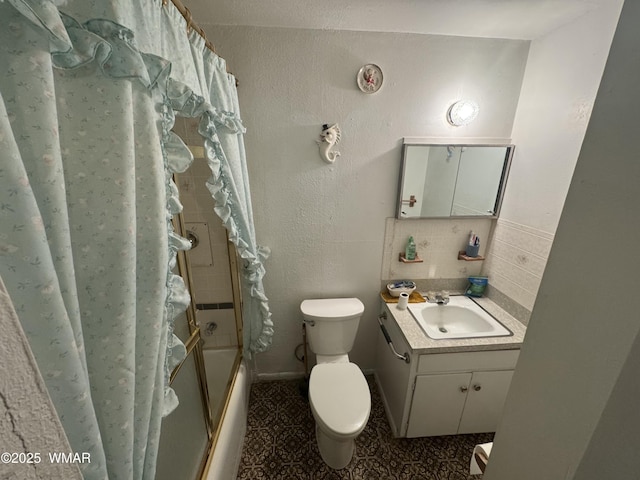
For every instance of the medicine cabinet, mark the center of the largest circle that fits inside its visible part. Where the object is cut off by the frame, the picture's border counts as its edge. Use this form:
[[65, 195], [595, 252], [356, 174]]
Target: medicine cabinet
[[452, 179]]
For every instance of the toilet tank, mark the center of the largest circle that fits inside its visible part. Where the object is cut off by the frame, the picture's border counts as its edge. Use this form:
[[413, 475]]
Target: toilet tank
[[332, 324]]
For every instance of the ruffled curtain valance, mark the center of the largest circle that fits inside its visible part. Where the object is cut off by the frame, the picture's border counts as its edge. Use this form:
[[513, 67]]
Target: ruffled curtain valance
[[87, 246], [224, 149]]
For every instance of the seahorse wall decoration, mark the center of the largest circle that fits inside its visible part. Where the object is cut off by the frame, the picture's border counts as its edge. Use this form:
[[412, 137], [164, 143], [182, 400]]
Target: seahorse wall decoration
[[329, 137]]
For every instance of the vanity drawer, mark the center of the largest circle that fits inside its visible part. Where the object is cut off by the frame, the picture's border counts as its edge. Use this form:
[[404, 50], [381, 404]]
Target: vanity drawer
[[468, 361]]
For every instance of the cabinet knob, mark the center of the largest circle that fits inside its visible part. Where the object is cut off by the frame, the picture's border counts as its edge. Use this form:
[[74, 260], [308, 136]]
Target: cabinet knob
[[477, 387], [464, 389]]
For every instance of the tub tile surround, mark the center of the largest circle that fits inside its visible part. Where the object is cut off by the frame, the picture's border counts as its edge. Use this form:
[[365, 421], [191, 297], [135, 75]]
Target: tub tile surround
[[211, 284], [224, 334], [280, 443]]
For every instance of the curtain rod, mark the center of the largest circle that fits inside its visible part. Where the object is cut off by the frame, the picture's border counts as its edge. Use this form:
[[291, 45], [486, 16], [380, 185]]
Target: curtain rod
[[186, 13]]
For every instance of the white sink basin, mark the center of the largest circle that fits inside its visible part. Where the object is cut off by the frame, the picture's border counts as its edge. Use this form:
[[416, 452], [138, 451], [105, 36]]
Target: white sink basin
[[460, 318]]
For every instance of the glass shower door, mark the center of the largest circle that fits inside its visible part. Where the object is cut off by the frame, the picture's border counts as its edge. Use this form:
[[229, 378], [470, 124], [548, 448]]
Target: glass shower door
[[185, 439]]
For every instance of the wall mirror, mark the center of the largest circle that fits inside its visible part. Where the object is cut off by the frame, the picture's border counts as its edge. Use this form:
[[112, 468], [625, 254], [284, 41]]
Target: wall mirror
[[452, 180]]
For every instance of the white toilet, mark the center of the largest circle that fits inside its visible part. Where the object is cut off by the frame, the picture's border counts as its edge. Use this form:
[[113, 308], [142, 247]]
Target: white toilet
[[338, 392]]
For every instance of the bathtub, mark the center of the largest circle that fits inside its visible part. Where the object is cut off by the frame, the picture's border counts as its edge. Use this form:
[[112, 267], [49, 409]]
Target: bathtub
[[224, 461]]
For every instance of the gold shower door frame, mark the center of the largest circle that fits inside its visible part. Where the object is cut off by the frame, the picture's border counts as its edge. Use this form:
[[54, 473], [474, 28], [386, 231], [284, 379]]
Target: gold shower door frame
[[194, 345]]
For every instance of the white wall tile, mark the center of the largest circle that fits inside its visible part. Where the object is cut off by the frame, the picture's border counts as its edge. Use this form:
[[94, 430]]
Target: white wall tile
[[438, 242], [516, 261], [224, 334], [200, 255], [217, 232], [200, 169]]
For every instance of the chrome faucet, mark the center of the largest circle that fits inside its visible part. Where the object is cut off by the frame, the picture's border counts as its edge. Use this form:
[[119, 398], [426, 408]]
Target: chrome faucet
[[441, 298]]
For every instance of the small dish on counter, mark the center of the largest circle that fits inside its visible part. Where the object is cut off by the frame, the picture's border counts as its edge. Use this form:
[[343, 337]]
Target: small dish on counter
[[401, 286]]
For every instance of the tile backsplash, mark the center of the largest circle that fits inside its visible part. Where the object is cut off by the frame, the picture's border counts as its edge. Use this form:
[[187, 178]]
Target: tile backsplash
[[438, 242], [515, 257]]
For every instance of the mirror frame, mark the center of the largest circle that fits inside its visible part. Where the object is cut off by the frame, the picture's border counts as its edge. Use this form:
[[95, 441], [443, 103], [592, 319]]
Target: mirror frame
[[457, 142]]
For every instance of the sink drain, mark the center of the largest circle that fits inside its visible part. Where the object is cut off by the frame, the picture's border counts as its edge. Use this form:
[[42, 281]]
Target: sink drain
[[443, 330]]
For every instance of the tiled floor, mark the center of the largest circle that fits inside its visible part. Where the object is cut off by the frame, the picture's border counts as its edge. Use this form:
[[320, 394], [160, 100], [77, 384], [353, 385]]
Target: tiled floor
[[280, 444]]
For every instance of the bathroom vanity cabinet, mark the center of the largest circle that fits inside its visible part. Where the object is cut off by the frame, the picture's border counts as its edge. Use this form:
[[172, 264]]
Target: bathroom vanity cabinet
[[442, 391], [455, 393]]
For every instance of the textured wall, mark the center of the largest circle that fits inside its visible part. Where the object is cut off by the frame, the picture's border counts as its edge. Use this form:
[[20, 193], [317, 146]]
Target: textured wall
[[573, 402], [325, 224], [562, 76], [28, 421], [560, 84]]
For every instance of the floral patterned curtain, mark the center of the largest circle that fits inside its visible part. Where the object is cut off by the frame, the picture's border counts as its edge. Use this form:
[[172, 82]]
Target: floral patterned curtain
[[87, 103]]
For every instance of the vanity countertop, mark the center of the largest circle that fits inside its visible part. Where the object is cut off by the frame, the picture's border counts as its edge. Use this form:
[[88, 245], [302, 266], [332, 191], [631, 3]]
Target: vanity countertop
[[420, 343]]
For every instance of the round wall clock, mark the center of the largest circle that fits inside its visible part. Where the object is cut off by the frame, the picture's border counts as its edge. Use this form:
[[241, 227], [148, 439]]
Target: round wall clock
[[369, 78]]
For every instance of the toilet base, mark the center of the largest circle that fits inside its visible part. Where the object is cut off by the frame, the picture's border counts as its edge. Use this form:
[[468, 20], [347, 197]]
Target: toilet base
[[336, 453]]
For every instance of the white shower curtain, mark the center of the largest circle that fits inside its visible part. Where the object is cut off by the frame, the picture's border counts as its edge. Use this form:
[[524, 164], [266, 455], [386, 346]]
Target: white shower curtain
[[86, 199]]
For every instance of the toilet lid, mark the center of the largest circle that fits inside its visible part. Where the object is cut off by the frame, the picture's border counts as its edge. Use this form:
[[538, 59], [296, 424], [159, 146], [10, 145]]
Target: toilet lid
[[340, 397], [332, 308]]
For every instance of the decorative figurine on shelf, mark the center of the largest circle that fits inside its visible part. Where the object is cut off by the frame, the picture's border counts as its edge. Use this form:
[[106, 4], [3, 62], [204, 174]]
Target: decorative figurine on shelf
[[329, 137]]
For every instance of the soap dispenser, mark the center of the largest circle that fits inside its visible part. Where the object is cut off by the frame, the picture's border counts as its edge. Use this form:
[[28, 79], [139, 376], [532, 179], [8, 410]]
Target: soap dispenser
[[410, 250]]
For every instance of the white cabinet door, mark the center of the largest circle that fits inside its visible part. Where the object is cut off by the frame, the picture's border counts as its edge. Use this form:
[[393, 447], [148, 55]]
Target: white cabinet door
[[485, 400], [437, 404]]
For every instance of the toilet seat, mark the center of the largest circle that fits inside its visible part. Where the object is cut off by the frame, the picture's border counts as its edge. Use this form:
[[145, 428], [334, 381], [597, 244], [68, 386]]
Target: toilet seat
[[340, 398]]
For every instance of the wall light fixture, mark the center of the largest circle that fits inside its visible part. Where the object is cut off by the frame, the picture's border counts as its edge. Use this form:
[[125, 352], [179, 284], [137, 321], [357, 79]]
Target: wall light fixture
[[462, 112]]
